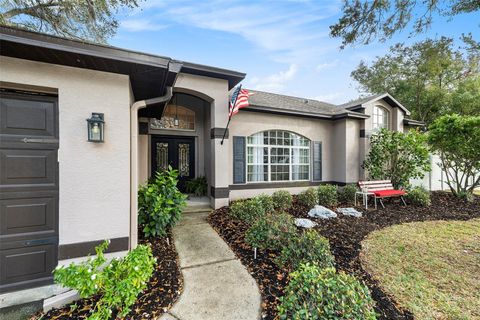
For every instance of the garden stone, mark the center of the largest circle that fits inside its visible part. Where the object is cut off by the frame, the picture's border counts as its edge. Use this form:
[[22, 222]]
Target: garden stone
[[321, 212], [304, 223], [350, 212]]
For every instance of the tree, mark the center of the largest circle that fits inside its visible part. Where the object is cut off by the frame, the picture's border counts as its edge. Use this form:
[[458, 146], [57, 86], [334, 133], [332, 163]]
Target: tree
[[398, 157], [78, 19], [426, 77], [457, 141], [363, 21]]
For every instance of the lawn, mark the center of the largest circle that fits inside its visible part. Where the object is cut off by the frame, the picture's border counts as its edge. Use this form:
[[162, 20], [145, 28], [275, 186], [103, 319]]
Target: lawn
[[430, 268]]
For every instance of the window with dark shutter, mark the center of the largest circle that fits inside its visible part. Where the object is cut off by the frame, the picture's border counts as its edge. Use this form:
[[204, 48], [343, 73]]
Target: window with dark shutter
[[239, 159], [317, 161]]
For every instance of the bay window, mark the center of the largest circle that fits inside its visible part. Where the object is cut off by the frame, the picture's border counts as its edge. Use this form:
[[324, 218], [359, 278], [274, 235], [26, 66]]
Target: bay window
[[277, 156]]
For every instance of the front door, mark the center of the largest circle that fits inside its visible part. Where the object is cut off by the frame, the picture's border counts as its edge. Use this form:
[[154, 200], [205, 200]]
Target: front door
[[28, 190], [177, 152]]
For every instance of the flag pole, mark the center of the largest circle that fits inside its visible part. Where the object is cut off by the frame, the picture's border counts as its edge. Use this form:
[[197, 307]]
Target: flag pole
[[225, 132], [230, 115]]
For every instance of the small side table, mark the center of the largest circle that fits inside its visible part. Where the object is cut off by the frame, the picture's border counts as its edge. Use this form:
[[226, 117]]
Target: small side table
[[364, 195]]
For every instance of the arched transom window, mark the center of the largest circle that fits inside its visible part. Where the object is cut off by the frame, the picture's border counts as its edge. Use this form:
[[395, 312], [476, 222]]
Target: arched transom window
[[381, 118], [277, 156], [175, 117]]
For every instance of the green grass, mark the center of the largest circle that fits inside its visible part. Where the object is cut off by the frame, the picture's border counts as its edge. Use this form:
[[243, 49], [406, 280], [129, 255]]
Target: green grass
[[430, 268]]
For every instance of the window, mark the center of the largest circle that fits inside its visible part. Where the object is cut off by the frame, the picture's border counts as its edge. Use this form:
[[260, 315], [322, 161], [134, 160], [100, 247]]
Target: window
[[175, 117], [277, 156], [380, 118]]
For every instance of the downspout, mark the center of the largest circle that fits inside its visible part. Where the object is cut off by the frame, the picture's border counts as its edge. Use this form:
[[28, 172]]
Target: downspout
[[134, 161]]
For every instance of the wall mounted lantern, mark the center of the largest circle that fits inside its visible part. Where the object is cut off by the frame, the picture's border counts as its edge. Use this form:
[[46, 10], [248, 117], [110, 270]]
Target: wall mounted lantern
[[95, 127]]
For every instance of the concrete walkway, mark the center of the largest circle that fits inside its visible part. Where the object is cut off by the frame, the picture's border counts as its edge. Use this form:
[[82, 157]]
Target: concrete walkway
[[216, 284]]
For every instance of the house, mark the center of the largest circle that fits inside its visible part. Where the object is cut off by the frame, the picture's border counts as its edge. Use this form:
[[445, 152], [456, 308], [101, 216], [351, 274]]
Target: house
[[62, 193]]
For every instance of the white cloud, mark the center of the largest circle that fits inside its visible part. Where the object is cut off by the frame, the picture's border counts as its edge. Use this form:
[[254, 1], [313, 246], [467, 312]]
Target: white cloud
[[334, 97], [135, 25], [275, 82], [326, 65]]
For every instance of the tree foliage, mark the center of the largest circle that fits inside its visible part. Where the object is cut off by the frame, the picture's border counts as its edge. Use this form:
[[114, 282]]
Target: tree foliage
[[457, 141], [430, 77], [398, 157], [92, 20], [364, 21]]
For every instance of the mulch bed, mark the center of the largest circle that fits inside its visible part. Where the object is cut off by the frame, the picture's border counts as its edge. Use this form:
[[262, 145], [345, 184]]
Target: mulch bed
[[163, 289], [345, 235]]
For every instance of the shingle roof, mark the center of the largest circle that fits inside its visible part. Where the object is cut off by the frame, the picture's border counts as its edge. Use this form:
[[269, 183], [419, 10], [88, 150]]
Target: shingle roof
[[360, 101], [261, 99]]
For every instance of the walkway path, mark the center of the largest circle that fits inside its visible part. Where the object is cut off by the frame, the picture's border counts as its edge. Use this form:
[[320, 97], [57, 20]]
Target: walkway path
[[216, 284]]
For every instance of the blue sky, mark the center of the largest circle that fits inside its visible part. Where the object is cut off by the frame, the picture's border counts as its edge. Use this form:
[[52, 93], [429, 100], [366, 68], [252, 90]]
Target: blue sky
[[283, 45]]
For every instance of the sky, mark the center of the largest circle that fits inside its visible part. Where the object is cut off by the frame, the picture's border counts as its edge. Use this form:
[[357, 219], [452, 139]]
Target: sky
[[283, 46]]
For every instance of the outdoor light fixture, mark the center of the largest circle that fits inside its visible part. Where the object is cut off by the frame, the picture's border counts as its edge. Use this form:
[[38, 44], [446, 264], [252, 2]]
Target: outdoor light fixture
[[95, 127], [175, 120]]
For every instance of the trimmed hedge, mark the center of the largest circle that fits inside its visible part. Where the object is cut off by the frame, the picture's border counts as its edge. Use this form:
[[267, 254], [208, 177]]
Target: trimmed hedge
[[248, 211], [282, 200], [327, 195], [419, 196], [347, 193], [267, 203], [308, 198], [271, 232]]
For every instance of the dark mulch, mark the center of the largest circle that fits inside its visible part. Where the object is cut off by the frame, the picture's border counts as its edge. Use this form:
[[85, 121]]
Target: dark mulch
[[271, 280], [163, 289], [345, 235]]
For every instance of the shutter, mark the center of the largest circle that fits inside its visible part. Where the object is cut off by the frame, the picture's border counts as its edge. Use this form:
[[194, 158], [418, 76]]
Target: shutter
[[239, 159], [317, 161]]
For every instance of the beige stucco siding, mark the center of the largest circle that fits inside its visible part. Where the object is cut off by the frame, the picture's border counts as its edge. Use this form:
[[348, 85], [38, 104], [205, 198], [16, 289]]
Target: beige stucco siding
[[396, 115], [94, 179]]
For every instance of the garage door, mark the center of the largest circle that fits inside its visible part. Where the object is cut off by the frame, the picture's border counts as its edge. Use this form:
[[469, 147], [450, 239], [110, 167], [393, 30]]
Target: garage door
[[28, 190]]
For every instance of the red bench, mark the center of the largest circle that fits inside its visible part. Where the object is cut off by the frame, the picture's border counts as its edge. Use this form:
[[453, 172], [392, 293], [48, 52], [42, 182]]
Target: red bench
[[381, 189]]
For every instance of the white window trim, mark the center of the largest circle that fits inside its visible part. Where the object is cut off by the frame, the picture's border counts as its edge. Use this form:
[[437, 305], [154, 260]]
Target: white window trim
[[375, 116], [269, 164]]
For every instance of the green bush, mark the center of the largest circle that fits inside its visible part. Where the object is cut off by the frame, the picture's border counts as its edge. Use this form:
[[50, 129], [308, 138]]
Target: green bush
[[282, 200], [308, 198], [248, 211], [316, 293], [271, 232], [327, 195], [117, 283], [160, 203], [197, 187], [347, 193], [419, 196], [311, 247], [267, 202]]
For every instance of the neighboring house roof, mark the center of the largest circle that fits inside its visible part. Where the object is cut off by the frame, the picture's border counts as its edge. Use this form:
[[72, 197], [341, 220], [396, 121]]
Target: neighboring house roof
[[281, 104], [149, 73], [359, 103]]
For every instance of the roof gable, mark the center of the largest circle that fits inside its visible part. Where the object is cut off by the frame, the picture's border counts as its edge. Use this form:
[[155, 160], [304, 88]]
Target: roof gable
[[388, 98]]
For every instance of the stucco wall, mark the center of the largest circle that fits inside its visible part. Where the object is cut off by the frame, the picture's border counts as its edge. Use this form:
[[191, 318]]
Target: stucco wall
[[396, 115], [94, 178]]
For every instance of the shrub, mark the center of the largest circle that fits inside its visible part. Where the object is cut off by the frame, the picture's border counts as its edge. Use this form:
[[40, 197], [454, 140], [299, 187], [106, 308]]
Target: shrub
[[397, 156], [456, 139], [117, 284], [311, 247], [282, 200], [248, 211], [327, 195], [347, 193], [419, 196], [160, 203], [308, 197], [267, 203], [315, 293], [197, 186], [271, 231]]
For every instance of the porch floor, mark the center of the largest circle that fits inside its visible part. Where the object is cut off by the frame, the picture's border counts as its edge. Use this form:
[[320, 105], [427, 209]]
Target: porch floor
[[216, 284]]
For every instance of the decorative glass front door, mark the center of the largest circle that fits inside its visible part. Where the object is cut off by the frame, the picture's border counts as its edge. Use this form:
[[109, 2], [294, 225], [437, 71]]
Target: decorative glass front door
[[177, 152]]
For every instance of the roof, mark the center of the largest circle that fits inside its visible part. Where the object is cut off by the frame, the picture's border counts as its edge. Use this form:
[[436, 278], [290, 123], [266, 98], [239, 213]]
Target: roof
[[413, 123], [359, 103], [149, 73], [262, 101]]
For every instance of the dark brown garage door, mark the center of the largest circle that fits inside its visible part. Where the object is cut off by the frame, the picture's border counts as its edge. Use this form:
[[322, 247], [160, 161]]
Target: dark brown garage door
[[28, 190]]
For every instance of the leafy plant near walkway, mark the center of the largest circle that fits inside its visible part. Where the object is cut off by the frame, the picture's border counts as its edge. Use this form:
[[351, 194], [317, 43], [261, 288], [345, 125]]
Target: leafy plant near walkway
[[160, 203], [316, 293], [248, 211], [457, 141], [267, 203], [397, 156], [271, 232], [308, 247], [118, 283], [197, 186]]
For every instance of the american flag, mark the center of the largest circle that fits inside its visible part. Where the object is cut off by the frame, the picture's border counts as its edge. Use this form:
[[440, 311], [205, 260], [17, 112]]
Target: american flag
[[238, 100]]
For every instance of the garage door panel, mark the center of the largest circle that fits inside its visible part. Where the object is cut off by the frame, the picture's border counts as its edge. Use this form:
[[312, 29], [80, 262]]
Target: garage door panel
[[28, 116], [28, 167], [25, 264], [27, 215], [28, 190]]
